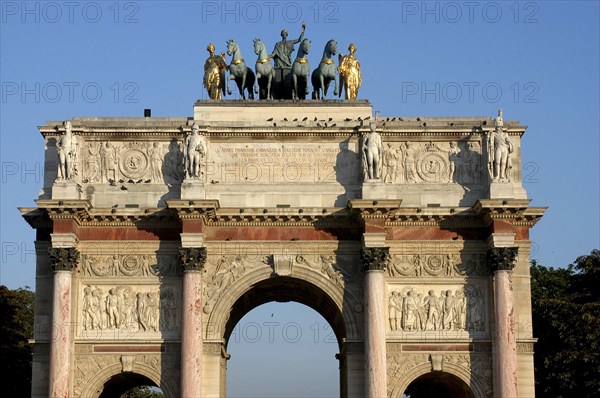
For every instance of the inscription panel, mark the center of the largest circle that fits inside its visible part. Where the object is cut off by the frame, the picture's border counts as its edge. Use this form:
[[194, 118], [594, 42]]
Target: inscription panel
[[283, 163]]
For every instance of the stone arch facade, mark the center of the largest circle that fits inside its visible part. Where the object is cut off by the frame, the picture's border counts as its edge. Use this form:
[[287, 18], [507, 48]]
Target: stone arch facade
[[429, 256]]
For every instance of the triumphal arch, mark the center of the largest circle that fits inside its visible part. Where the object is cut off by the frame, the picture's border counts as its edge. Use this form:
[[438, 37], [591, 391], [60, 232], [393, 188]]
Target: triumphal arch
[[409, 235]]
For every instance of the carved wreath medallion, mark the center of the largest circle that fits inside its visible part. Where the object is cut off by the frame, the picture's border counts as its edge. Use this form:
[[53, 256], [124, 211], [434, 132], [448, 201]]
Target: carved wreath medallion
[[133, 163]]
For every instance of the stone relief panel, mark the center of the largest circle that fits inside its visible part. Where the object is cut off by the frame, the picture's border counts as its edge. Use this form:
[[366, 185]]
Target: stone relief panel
[[432, 162], [121, 312], [459, 310], [132, 162], [132, 265], [444, 264]]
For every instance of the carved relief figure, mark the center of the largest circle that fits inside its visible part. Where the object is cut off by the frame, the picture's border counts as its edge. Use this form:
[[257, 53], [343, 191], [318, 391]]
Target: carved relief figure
[[460, 310], [93, 162], [372, 152], [155, 156], [108, 154], [395, 311], [86, 308], [455, 163], [448, 311], [433, 311], [194, 151], [174, 163], [474, 309], [499, 149], [168, 307], [390, 164], [409, 309], [112, 308], [141, 310], [350, 76], [67, 153], [410, 171]]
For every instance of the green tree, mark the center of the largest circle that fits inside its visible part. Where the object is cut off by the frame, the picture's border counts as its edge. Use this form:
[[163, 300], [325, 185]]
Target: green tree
[[143, 392], [16, 328], [566, 321]]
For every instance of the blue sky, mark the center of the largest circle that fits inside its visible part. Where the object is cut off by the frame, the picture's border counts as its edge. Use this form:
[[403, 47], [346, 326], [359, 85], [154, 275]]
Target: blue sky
[[537, 60]]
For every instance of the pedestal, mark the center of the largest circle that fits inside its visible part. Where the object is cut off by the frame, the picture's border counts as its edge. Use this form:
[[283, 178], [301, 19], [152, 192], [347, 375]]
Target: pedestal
[[66, 189], [507, 190], [374, 189], [193, 189]]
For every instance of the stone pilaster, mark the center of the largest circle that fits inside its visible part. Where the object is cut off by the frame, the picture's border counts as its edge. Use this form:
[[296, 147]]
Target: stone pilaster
[[63, 261], [374, 261], [192, 260], [502, 261]]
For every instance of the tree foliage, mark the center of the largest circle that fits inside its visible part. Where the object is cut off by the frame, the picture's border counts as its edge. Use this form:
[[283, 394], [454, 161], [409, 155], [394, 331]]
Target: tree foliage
[[142, 392], [566, 321], [16, 328]]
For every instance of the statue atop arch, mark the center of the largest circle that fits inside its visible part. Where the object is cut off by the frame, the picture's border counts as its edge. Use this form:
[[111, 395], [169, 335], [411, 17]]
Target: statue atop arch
[[282, 56]]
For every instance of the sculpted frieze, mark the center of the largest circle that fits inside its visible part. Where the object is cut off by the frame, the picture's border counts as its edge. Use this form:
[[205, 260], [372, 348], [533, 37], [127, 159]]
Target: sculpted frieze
[[132, 162], [447, 308], [129, 265], [445, 264], [440, 162], [127, 309]]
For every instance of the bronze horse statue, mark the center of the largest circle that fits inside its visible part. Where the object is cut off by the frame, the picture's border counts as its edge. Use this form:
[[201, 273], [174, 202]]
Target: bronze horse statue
[[325, 72], [238, 71]]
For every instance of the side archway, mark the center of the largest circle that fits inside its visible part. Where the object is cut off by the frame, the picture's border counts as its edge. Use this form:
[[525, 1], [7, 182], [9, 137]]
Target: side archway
[[112, 379], [453, 380]]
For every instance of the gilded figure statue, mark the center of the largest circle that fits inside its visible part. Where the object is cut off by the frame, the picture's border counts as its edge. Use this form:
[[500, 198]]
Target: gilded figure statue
[[214, 73], [350, 76]]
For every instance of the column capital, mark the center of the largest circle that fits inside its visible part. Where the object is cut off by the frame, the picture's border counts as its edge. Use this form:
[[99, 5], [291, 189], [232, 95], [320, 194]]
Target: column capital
[[374, 258], [192, 258], [63, 258], [502, 258]]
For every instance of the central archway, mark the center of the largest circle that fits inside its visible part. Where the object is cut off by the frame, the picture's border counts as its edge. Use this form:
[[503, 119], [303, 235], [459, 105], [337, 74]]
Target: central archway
[[341, 309], [283, 350]]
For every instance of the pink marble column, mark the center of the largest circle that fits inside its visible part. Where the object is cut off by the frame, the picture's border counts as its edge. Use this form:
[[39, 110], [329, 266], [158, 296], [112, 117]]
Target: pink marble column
[[193, 260], [505, 378], [63, 261], [374, 260]]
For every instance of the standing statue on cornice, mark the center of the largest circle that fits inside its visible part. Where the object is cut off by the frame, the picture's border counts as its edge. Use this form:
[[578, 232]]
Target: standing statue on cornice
[[67, 153], [282, 56], [499, 149], [214, 73], [350, 76], [194, 152], [372, 152]]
